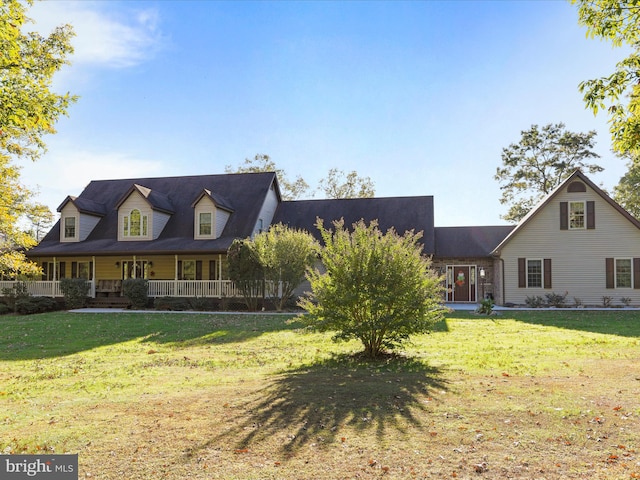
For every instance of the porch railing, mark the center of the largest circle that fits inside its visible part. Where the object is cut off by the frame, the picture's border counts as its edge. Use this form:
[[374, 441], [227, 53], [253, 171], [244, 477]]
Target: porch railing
[[157, 288], [192, 288], [44, 288]]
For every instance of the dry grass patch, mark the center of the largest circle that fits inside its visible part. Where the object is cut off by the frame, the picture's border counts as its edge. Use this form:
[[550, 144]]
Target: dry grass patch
[[528, 395]]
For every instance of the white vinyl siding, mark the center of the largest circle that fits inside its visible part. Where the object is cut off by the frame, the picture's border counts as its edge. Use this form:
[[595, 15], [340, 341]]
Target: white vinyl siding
[[222, 216], [267, 212], [158, 222], [86, 225], [578, 256]]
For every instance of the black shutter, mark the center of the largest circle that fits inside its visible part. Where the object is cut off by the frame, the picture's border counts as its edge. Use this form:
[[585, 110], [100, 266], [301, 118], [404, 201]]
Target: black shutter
[[90, 270], [636, 273], [591, 215], [547, 273], [522, 272], [179, 269], [609, 268], [198, 269], [45, 271], [74, 269], [62, 270], [564, 216]]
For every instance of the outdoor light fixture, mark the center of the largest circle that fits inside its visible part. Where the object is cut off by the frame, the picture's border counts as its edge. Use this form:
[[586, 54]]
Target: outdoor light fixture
[[117, 264]]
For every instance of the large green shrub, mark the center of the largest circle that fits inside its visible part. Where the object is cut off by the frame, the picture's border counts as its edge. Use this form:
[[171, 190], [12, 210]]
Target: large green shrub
[[247, 271], [137, 291], [30, 305], [75, 291], [285, 254], [17, 291], [377, 288]]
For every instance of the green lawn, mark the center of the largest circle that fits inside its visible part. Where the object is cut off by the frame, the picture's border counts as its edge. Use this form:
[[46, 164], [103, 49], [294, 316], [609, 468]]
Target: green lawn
[[150, 396]]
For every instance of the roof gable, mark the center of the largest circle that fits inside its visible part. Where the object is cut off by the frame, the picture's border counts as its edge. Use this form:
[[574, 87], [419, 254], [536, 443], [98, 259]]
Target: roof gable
[[575, 176], [218, 200], [155, 199]]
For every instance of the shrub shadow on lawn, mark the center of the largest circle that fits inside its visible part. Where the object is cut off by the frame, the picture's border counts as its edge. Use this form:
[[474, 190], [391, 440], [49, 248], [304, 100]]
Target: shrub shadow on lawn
[[313, 403], [59, 334]]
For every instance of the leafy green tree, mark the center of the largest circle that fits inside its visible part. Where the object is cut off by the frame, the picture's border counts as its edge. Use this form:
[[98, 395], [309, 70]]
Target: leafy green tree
[[246, 271], [350, 185], [627, 192], [377, 288], [28, 111], [290, 189], [619, 93], [541, 161], [285, 254], [336, 185]]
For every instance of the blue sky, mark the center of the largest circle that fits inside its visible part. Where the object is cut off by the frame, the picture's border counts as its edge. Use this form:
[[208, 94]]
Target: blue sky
[[419, 96]]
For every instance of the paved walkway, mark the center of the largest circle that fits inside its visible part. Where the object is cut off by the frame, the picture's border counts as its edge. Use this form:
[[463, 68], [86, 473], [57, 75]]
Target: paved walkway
[[452, 306]]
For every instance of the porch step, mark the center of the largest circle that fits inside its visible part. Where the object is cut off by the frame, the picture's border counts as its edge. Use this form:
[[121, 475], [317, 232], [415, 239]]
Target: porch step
[[109, 302]]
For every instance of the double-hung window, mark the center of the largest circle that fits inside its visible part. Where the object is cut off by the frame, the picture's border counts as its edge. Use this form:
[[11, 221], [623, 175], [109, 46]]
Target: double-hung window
[[576, 216], [623, 273], [205, 224], [69, 227], [534, 273]]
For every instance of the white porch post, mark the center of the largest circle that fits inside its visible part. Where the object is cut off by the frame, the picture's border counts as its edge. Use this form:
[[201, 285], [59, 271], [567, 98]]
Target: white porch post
[[175, 275], [93, 277], [55, 279]]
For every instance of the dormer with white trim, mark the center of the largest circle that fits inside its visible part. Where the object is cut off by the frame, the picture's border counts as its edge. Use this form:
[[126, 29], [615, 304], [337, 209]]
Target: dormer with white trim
[[211, 213], [142, 214], [78, 218]]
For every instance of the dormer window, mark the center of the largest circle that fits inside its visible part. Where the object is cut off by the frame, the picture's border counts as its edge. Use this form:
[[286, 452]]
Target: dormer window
[[210, 215], [135, 224], [70, 228], [205, 221]]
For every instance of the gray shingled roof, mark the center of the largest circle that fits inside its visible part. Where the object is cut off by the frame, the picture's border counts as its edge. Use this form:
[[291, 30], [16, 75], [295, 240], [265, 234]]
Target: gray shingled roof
[[459, 242], [85, 205], [246, 191], [402, 213]]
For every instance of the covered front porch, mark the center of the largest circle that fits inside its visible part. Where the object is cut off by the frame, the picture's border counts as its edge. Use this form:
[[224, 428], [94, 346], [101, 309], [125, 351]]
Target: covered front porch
[[200, 275]]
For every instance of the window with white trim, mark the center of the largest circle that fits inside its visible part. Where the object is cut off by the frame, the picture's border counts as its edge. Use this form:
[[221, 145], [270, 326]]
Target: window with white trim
[[577, 215], [69, 227], [205, 224], [135, 224], [534, 273], [624, 273]]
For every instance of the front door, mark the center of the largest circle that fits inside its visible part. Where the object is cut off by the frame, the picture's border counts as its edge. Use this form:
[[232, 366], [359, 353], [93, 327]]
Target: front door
[[461, 283]]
